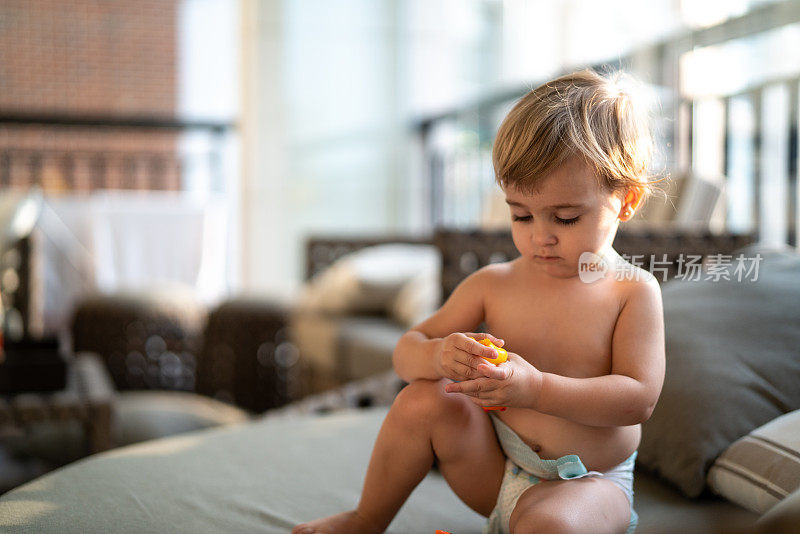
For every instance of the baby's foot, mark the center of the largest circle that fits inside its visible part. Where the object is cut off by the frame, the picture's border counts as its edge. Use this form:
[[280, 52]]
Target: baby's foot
[[346, 522]]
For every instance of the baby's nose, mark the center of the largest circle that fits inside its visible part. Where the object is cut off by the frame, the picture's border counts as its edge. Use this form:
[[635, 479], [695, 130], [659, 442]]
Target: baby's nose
[[544, 237]]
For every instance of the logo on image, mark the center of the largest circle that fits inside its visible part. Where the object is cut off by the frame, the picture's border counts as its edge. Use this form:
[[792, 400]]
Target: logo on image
[[591, 267]]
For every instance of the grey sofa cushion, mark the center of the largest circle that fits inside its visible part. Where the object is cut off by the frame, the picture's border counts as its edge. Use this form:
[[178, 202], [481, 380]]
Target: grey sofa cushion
[[662, 508], [263, 476], [733, 364], [366, 345], [145, 415], [341, 348], [269, 474], [54, 442], [137, 416]]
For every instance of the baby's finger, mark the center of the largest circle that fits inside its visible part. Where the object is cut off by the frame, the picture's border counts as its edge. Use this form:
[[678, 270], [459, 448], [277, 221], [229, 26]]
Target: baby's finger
[[464, 371], [473, 347], [482, 335], [466, 359], [496, 340], [474, 362], [493, 371], [500, 372], [471, 387]]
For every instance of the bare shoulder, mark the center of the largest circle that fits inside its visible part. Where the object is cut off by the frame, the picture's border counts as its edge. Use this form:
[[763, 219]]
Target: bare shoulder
[[635, 283], [491, 274], [499, 270], [495, 276]]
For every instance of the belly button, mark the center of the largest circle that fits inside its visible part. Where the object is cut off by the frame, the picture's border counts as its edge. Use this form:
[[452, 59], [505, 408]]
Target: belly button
[[537, 448]]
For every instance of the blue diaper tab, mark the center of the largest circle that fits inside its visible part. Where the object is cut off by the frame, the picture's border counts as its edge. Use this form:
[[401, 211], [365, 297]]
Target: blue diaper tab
[[570, 466], [566, 467]]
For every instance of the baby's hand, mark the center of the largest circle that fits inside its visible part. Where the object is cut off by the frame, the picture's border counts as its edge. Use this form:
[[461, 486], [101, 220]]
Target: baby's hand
[[460, 355], [515, 383]]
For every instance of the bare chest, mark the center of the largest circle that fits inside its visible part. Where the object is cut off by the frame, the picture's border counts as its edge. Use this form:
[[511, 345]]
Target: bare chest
[[563, 330]]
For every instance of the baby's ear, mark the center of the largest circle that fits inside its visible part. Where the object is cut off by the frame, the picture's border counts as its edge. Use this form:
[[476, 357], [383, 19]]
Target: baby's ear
[[633, 197]]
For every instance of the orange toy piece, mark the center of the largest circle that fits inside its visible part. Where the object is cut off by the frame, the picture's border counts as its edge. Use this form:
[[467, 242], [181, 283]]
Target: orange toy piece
[[441, 532], [502, 355]]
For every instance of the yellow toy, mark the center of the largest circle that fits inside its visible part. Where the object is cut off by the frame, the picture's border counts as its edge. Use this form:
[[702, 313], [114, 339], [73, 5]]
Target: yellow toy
[[502, 355]]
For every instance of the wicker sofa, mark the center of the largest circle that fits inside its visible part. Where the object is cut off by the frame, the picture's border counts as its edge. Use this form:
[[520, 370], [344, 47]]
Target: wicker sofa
[[308, 458]]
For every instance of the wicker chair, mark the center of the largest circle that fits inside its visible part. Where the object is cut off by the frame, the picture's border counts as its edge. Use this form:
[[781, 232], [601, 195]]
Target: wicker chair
[[247, 358], [147, 340]]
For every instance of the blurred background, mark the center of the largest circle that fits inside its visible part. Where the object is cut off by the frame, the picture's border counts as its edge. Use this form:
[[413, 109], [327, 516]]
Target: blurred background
[[160, 159], [271, 121]]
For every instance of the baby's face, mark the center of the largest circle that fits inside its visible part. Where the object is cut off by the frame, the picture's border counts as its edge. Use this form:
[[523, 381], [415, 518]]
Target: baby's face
[[570, 214]]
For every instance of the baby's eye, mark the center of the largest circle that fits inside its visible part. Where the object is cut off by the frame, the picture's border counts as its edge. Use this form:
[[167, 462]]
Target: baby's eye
[[567, 222], [517, 218]]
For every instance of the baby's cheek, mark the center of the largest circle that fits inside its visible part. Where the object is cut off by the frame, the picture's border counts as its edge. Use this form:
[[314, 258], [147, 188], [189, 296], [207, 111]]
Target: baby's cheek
[[521, 238]]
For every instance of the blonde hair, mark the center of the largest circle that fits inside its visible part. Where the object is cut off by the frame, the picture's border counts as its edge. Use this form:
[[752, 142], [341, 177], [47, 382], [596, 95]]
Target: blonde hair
[[579, 114]]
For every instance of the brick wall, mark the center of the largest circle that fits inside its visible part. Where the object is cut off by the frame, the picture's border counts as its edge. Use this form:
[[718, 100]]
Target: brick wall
[[101, 58]]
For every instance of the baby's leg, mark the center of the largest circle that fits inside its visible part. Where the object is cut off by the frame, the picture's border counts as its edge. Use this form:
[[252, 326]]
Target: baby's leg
[[588, 504], [424, 423]]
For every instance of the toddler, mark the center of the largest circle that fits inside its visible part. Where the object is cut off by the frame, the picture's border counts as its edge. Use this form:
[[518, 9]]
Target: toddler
[[585, 354]]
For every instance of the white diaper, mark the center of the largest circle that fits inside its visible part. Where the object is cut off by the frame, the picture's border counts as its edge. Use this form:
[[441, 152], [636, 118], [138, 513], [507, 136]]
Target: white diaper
[[524, 468]]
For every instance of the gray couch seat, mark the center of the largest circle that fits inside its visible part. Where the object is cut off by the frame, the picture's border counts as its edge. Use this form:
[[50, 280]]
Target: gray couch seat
[[268, 475], [263, 476]]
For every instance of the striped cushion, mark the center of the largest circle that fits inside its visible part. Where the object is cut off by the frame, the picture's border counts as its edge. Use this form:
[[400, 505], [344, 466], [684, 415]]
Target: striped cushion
[[762, 468]]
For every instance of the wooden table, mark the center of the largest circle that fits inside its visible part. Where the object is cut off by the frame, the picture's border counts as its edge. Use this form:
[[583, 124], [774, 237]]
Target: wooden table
[[87, 398]]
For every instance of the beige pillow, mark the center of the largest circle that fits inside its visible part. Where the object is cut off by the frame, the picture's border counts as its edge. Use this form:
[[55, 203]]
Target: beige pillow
[[762, 468], [337, 289], [418, 299], [368, 280]]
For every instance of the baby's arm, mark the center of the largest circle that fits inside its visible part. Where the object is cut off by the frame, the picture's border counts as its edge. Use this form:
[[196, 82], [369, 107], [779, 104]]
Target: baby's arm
[[628, 395], [417, 353]]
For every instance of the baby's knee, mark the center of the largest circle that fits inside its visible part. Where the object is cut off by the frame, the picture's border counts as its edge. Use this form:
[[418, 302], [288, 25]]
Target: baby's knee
[[425, 400], [539, 519], [418, 398]]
